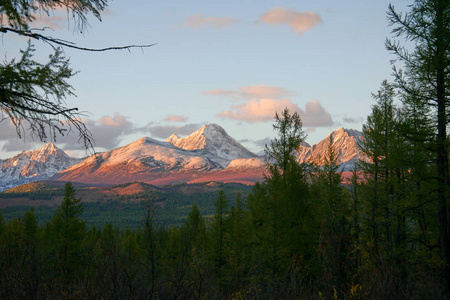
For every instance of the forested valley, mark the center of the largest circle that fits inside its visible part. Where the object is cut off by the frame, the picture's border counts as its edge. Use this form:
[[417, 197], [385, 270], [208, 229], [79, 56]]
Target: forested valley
[[302, 233]]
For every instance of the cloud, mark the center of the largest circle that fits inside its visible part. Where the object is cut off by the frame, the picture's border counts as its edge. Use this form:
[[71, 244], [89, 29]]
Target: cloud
[[256, 146], [7, 129], [261, 143], [10, 140], [252, 91], [257, 110], [310, 129], [264, 91], [299, 22], [173, 118], [53, 22], [106, 132], [58, 16], [315, 115], [164, 131], [352, 120], [263, 110], [198, 20], [221, 92]]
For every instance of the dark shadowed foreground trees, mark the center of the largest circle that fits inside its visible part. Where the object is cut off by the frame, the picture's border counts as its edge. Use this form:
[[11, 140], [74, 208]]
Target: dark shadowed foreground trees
[[423, 82], [301, 233], [33, 93]]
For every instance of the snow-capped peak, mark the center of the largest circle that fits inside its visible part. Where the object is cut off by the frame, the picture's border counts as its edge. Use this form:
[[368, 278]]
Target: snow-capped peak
[[213, 139], [34, 165], [345, 141], [173, 138]]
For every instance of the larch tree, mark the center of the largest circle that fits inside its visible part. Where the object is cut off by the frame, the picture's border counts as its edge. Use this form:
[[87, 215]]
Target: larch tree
[[33, 93], [281, 207], [424, 76]]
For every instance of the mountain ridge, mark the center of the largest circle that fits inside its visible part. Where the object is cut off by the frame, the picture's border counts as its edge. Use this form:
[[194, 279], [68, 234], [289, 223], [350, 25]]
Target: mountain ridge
[[29, 166], [208, 154], [213, 139], [345, 141]]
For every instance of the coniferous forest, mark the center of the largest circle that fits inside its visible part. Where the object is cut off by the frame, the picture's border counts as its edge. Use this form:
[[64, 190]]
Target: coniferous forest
[[302, 233]]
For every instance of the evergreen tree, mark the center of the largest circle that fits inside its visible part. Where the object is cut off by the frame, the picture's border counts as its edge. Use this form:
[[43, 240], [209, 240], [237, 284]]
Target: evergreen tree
[[12, 261], [380, 136], [32, 255], [2, 227], [334, 246], [425, 79], [153, 242], [237, 244], [218, 230], [281, 209], [65, 232]]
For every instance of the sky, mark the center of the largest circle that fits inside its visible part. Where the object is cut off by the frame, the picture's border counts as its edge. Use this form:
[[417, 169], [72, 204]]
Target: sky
[[233, 63]]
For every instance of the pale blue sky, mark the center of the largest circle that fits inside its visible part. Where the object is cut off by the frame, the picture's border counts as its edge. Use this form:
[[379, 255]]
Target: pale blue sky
[[233, 63]]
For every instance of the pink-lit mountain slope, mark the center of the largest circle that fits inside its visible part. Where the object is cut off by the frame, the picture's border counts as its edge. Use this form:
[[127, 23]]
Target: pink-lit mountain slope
[[29, 166], [345, 142], [207, 153], [214, 140]]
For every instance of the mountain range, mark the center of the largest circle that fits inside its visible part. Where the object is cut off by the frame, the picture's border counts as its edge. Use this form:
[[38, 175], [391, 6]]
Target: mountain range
[[29, 166], [208, 154]]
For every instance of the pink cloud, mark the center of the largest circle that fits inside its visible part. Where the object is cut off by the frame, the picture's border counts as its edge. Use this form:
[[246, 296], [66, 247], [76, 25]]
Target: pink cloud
[[221, 92], [264, 91], [198, 20], [173, 118], [54, 14], [263, 110], [116, 121], [54, 21], [257, 110], [299, 22]]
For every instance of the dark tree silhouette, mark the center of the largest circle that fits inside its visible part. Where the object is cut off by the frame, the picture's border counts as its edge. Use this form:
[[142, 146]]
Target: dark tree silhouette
[[32, 94]]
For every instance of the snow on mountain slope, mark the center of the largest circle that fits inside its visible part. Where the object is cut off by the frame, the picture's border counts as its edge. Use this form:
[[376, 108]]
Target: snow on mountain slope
[[146, 159], [28, 166], [345, 141], [209, 149], [205, 155], [246, 163], [213, 139]]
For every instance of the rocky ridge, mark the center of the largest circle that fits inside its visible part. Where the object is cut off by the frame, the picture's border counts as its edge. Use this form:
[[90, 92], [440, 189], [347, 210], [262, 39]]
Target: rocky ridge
[[29, 166], [209, 154]]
